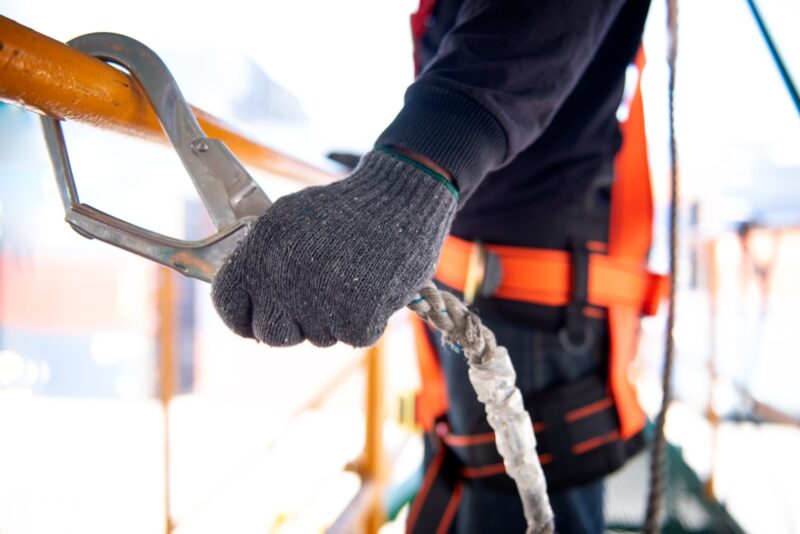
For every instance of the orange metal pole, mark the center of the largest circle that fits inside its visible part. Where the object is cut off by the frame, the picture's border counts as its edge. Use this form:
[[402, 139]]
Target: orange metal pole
[[167, 343], [43, 75], [374, 466], [364, 513]]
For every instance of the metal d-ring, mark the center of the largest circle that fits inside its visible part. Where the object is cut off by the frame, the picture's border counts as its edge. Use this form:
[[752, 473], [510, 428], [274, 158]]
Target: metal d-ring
[[582, 346], [233, 199]]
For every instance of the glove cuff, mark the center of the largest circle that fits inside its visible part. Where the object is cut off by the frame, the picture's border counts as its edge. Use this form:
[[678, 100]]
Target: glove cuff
[[421, 166], [452, 129], [385, 181]]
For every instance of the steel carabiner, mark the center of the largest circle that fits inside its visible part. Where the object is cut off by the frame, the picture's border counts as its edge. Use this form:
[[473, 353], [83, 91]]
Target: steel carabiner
[[231, 196]]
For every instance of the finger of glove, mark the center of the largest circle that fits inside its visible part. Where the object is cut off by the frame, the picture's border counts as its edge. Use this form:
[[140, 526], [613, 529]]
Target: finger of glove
[[366, 335], [273, 326], [233, 305], [318, 335]]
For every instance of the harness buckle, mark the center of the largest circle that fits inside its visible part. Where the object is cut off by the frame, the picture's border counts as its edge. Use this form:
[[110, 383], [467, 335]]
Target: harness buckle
[[577, 335], [484, 272], [232, 198]]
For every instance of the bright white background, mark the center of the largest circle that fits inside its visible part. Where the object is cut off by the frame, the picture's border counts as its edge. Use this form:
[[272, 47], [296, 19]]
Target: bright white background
[[347, 63]]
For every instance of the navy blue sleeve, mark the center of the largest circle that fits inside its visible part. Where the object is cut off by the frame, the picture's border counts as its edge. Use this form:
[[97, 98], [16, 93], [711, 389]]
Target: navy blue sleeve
[[499, 76]]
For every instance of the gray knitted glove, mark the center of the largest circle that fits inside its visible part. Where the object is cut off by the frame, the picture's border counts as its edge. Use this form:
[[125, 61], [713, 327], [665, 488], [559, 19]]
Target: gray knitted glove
[[332, 263]]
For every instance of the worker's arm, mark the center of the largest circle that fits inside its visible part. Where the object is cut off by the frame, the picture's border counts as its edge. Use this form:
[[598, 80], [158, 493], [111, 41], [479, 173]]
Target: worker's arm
[[332, 263], [499, 77]]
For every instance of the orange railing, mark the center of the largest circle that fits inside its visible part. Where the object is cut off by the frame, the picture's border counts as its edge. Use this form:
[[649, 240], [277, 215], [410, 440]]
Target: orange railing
[[43, 75]]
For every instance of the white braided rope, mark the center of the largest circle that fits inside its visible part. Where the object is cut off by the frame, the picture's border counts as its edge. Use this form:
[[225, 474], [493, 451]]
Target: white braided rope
[[493, 377]]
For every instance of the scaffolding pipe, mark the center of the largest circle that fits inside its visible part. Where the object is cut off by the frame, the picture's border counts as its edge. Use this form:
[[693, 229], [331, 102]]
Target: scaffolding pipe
[[46, 76], [374, 461], [167, 343]]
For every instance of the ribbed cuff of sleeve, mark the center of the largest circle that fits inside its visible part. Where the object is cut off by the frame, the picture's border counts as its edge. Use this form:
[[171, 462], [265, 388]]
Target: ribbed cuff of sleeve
[[451, 129]]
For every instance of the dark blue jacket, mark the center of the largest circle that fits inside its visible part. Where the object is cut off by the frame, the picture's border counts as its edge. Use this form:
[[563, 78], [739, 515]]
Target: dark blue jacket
[[517, 99]]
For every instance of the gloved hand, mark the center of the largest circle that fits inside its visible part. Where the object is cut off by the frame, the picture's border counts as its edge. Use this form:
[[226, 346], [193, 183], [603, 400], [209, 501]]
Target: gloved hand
[[332, 263]]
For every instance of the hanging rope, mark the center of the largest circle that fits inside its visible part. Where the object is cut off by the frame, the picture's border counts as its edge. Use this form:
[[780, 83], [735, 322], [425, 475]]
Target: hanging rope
[[492, 375], [658, 461], [776, 56]]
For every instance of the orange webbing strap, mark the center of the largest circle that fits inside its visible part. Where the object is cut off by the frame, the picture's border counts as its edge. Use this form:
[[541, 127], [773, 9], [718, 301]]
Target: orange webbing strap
[[630, 234], [544, 276], [431, 401]]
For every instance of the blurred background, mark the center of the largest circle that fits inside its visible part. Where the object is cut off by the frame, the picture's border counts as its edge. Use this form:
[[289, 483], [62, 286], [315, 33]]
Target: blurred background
[[123, 396]]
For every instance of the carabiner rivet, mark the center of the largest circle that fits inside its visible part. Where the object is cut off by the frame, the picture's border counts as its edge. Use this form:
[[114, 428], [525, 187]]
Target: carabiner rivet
[[199, 145]]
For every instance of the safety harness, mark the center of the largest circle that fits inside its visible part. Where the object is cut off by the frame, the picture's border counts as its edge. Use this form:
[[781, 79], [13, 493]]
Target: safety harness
[[587, 428]]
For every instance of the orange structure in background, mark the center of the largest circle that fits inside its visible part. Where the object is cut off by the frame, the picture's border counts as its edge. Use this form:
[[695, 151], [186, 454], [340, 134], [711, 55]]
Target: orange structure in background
[[48, 77]]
